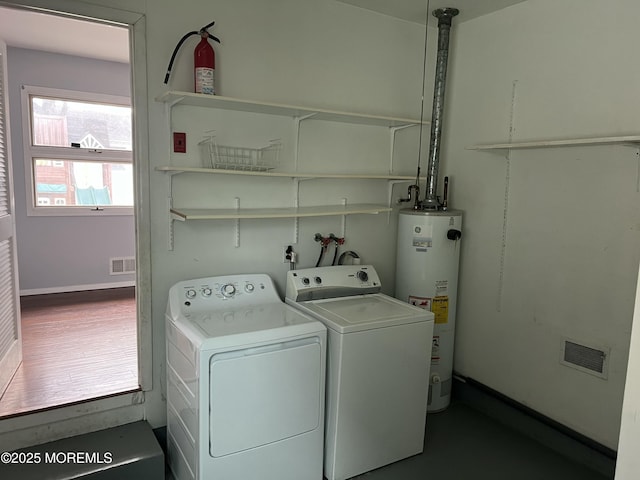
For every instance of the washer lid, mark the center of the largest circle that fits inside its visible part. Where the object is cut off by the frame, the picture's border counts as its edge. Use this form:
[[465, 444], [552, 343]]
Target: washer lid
[[248, 324], [364, 312]]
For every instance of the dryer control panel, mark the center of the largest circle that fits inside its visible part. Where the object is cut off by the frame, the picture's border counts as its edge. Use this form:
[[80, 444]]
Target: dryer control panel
[[213, 293], [331, 282]]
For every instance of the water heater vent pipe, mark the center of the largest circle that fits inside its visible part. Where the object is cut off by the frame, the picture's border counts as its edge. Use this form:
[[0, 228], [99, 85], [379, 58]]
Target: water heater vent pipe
[[444, 16]]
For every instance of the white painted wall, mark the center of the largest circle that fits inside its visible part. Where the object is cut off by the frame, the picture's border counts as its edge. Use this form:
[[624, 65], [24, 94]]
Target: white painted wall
[[628, 463], [573, 217], [573, 221], [317, 53], [64, 253]]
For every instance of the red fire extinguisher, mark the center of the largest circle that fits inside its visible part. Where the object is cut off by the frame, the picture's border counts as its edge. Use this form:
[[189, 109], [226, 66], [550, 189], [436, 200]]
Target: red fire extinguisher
[[204, 61]]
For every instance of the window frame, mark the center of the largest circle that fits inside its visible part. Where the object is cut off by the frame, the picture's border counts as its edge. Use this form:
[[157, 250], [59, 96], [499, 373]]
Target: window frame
[[34, 152]]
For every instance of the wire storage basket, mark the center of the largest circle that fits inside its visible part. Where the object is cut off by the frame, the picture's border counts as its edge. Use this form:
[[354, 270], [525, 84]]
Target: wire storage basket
[[228, 157]]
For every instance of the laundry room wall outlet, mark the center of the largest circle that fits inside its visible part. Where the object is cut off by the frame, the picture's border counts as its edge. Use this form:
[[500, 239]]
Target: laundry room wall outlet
[[179, 142]]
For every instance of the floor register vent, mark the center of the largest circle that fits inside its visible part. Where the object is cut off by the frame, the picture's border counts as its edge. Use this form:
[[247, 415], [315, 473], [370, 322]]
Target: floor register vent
[[122, 265], [589, 359]]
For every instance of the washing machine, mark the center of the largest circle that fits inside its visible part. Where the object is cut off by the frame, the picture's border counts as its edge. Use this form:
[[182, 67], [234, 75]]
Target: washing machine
[[378, 352], [245, 382]]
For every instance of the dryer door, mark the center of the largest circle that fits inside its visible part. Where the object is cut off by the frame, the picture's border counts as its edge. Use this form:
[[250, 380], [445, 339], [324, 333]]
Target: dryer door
[[263, 395]]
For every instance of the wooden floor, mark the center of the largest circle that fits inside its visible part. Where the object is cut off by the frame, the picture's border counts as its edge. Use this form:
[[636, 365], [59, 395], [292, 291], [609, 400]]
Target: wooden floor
[[76, 347]]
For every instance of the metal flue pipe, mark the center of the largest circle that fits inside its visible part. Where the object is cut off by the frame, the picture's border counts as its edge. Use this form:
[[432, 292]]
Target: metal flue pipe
[[444, 16]]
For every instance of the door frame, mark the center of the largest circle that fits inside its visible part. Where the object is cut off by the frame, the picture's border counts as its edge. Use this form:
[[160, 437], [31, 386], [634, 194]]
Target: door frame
[[11, 360], [88, 416]]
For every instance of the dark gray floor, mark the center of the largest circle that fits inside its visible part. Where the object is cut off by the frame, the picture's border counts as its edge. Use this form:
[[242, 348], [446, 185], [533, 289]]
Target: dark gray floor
[[462, 443]]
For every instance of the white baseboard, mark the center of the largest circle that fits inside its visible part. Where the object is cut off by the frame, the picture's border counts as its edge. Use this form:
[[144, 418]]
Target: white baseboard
[[75, 288]]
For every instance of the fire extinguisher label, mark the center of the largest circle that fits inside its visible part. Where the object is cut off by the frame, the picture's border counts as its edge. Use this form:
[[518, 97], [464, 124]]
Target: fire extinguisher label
[[204, 81], [440, 309], [420, 302]]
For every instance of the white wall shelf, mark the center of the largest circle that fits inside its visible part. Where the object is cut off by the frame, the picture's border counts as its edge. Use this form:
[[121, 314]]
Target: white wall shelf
[[218, 171], [298, 114], [631, 140], [184, 214], [173, 98]]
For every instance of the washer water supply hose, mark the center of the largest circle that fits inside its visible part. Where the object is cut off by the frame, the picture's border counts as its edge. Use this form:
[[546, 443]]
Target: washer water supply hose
[[324, 245]]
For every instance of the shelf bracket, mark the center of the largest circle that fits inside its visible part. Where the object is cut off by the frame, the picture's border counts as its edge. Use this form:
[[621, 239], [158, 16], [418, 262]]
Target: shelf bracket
[[170, 222], [237, 222], [168, 109], [296, 204], [638, 170], [296, 137], [507, 181], [343, 232], [392, 141], [170, 219]]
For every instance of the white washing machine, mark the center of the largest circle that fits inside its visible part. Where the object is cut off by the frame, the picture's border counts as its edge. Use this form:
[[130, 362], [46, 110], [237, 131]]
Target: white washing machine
[[245, 382], [377, 369]]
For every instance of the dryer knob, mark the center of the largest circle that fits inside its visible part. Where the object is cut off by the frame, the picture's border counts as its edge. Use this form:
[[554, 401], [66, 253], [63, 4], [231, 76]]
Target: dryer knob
[[228, 290], [318, 280], [206, 292], [362, 276], [249, 288], [191, 293], [305, 281]]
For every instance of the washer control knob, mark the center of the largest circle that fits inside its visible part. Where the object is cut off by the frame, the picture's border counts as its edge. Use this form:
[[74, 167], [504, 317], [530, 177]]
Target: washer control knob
[[318, 280], [305, 281], [228, 290], [191, 293], [362, 276], [206, 292], [249, 287]]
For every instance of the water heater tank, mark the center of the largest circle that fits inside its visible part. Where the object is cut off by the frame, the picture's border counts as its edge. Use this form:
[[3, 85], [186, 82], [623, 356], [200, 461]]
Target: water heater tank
[[427, 276]]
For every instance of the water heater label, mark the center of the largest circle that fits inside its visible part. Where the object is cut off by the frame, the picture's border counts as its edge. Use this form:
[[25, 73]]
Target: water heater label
[[440, 309], [421, 302], [422, 237], [435, 350], [442, 287]]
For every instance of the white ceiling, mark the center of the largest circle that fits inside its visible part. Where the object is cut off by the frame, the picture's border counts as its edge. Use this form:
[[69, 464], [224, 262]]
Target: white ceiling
[[52, 33], [414, 10]]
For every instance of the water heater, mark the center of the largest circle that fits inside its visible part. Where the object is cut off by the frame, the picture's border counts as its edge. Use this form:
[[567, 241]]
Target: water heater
[[427, 276]]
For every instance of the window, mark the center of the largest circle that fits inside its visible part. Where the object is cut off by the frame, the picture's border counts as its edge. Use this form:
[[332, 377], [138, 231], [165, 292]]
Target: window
[[78, 153]]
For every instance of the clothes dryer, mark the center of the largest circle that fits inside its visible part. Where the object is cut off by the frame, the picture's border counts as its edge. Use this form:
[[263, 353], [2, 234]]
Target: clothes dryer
[[245, 382]]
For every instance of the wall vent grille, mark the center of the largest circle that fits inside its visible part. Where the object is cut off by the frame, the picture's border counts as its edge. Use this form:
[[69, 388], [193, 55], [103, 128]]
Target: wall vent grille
[[122, 265], [587, 358]]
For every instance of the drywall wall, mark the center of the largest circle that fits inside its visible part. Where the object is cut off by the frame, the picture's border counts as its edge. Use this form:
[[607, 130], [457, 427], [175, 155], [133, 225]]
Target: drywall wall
[[628, 463], [64, 253], [550, 248], [312, 53], [319, 53]]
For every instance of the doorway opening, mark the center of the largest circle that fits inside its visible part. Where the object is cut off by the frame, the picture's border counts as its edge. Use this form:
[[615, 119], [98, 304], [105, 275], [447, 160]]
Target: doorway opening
[[76, 346], [78, 321]]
